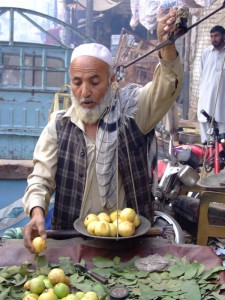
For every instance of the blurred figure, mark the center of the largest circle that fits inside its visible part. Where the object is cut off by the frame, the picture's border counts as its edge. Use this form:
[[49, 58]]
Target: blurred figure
[[212, 82]]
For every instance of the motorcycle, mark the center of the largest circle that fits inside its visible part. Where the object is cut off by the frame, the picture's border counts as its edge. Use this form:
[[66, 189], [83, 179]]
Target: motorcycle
[[182, 165], [179, 168]]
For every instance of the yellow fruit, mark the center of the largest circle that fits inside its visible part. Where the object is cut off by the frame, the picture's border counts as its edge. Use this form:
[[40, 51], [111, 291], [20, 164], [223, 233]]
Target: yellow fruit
[[104, 217], [61, 290], [39, 244], [102, 228], [117, 222], [80, 294], [36, 286], [91, 227], [72, 297], [114, 215], [48, 296], [89, 218], [127, 214], [112, 230], [137, 221], [56, 275], [126, 229], [26, 285], [31, 297], [90, 296]]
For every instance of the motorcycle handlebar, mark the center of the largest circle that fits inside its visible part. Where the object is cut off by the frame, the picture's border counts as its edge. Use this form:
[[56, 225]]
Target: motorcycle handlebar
[[209, 119]]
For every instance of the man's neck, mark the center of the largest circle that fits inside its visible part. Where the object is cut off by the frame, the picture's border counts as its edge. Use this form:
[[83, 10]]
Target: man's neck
[[91, 130]]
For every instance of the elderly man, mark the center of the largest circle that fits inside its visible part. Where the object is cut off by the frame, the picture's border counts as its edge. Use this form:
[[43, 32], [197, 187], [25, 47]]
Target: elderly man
[[94, 156]]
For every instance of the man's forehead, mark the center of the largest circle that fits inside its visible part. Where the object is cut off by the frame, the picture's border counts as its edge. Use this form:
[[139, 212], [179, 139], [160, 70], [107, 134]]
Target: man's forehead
[[216, 33], [88, 65]]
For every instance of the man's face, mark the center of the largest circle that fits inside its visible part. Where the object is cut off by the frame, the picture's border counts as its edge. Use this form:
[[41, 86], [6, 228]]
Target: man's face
[[217, 40], [90, 83]]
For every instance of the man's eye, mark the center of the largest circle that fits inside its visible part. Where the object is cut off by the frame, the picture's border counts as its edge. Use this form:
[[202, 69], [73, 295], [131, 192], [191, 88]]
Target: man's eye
[[95, 83], [77, 83]]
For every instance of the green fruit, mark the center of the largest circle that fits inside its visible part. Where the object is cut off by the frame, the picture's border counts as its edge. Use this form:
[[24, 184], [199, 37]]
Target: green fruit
[[36, 286], [80, 294], [42, 277], [61, 290], [48, 283]]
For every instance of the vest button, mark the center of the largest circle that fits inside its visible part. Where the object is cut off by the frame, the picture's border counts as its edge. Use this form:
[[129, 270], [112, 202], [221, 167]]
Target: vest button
[[82, 153]]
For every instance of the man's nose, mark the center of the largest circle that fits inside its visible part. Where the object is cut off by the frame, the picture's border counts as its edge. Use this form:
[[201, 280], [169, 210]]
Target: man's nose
[[86, 91]]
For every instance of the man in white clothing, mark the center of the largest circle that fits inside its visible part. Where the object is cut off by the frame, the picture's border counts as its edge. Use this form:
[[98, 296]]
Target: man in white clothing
[[212, 82]]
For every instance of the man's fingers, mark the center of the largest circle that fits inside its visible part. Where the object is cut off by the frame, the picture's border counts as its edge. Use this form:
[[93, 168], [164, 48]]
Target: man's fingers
[[36, 227], [27, 237]]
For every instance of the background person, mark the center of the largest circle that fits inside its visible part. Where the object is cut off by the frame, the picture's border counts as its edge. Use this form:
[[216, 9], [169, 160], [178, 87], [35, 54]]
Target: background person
[[212, 82], [75, 156]]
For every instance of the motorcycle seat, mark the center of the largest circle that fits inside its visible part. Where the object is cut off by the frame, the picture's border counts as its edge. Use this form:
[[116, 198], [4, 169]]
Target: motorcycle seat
[[188, 208]]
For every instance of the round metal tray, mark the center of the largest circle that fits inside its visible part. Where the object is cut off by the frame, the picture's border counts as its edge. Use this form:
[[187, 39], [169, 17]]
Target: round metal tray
[[139, 231], [214, 181]]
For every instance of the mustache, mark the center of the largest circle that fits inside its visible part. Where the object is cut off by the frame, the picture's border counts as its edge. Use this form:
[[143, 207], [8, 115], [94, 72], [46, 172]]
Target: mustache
[[87, 100]]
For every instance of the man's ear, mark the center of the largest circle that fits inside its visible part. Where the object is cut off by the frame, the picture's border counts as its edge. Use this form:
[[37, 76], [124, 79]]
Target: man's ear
[[113, 78]]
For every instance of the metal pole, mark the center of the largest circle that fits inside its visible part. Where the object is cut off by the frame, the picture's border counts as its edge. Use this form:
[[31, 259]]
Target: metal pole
[[89, 19]]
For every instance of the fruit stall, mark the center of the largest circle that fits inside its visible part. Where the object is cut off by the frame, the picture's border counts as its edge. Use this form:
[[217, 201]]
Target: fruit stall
[[92, 268]]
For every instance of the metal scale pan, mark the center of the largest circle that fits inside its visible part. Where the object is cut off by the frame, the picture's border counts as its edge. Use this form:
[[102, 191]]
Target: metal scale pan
[[213, 182], [142, 229]]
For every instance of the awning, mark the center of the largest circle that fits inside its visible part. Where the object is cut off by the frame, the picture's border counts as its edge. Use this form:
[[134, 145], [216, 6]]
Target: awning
[[101, 5]]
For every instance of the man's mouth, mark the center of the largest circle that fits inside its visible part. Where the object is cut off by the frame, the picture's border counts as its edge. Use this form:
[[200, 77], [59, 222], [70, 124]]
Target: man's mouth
[[88, 103]]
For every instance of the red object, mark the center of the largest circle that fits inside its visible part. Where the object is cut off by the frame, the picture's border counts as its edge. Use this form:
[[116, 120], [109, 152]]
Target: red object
[[161, 168]]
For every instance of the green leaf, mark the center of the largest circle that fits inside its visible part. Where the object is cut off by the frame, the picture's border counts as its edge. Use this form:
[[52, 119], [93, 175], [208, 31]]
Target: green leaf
[[106, 272], [191, 270], [116, 260], [155, 277], [5, 293], [40, 262], [200, 270], [141, 274], [127, 282], [177, 270], [66, 265], [19, 280], [207, 274], [102, 262], [191, 289]]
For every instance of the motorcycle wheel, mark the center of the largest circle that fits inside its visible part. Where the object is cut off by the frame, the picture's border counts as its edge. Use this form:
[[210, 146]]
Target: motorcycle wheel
[[172, 229]]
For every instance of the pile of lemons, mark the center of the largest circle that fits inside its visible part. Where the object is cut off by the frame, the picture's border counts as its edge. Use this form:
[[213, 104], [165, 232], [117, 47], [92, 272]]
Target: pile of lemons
[[118, 223], [54, 286]]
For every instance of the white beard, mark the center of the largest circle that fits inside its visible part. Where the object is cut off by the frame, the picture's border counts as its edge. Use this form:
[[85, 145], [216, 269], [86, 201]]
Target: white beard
[[90, 115]]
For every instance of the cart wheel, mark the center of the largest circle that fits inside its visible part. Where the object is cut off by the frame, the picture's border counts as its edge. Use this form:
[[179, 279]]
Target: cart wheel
[[173, 231]]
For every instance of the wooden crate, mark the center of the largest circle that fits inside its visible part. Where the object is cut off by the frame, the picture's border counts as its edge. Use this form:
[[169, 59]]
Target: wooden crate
[[131, 47]]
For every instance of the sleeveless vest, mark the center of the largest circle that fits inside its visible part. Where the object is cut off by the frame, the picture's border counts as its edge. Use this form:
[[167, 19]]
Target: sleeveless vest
[[72, 166]]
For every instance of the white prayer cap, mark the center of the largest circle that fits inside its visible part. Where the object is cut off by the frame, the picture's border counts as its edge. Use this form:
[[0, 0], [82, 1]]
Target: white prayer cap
[[95, 50]]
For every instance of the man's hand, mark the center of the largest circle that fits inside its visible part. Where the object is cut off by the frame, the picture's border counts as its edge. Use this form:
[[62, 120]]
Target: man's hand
[[166, 26], [36, 227]]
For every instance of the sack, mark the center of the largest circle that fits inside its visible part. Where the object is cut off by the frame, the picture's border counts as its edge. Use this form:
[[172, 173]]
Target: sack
[[61, 102]]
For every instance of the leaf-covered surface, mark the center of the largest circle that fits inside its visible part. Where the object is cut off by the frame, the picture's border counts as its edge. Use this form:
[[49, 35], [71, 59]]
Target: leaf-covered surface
[[182, 280]]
